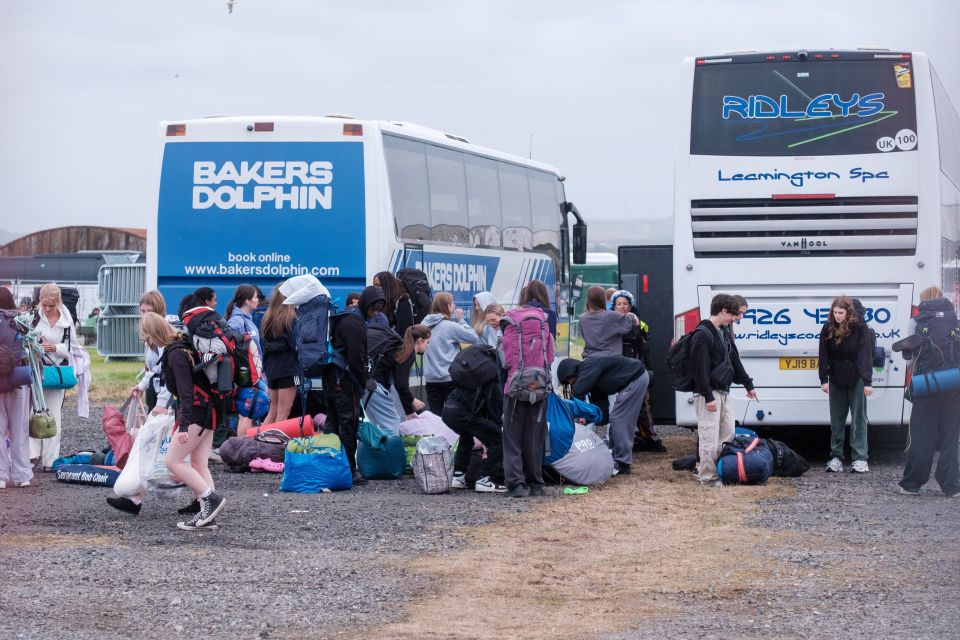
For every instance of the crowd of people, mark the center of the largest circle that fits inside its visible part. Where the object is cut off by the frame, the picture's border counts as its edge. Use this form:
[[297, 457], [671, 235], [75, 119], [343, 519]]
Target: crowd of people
[[377, 339]]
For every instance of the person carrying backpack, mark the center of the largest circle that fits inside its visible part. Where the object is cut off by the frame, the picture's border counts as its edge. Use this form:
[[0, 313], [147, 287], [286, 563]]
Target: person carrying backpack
[[383, 343], [527, 356], [345, 379], [240, 318], [449, 331], [846, 374], [714, 363], [280, 365], [604, 376], [397, 306], [935, 417], [15, 468]]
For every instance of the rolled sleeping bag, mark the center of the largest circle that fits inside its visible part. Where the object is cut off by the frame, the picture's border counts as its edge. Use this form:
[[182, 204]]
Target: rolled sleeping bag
[[290, 427], [939, 381], [88, 474], [20, 376]]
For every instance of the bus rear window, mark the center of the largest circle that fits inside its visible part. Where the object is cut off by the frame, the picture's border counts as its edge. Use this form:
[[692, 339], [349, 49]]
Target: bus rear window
[[803, 108]]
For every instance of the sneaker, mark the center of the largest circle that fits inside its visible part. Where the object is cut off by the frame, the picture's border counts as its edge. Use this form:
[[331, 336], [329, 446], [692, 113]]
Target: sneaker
[[859, 466], [209, 508], [125, 504], [486, 485], [193, 526], [21, 485], [258, 465], [517, 491], [193, 507], [835, 465], [3, 484], [358, 479], [536, 491], [908, 492], [955, 494], [620, 467], [214, 456], [459, 480]]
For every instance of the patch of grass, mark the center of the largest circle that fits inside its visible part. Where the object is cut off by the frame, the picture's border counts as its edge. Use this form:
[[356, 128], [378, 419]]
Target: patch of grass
[[568, 568], [111, 381]]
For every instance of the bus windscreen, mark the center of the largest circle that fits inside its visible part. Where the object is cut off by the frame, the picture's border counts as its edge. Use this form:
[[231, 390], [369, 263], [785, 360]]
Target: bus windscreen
[[803, 108]]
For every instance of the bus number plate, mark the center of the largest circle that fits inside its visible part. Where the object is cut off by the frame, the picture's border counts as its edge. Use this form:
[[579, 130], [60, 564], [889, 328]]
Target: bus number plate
[[799, 364]]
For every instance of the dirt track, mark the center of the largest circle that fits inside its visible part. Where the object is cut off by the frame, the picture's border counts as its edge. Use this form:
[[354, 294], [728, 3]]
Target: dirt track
[[842, 556]]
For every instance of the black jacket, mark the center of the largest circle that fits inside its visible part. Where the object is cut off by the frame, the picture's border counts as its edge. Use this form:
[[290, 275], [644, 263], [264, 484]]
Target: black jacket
[[401, 382], [349, 337], [713, 366], [280, 355], [850, 360], [195, 404]]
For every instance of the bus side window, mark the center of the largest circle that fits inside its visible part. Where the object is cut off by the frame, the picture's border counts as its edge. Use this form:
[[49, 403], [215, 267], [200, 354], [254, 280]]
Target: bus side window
[[515, 204], [448, 195], [483, 201], [407, 169], [546, 211]]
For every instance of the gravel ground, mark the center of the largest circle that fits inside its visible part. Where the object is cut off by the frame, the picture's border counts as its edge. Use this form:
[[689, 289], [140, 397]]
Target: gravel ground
[[867, 561], [279, 565]]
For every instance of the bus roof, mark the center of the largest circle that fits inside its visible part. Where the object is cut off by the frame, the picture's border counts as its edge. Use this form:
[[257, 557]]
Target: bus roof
[[400, 128], [801, 55]]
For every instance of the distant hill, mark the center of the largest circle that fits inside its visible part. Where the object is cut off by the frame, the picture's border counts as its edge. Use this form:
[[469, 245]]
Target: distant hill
[[607, 235]]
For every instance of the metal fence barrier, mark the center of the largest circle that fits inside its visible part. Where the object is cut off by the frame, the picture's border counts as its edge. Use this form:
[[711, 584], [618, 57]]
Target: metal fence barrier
[[121, 285], [119, 336]]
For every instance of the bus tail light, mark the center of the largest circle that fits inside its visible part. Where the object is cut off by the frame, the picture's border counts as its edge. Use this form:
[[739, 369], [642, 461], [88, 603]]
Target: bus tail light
[[353, 129], [176, 129], [684, 323], [263, 126], [914, 311]]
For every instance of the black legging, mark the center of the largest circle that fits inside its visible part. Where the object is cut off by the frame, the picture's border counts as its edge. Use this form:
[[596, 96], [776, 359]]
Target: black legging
[[437, 393]]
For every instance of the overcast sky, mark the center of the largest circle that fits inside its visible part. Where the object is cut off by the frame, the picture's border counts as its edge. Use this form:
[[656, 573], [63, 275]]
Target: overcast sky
[[596, 84]]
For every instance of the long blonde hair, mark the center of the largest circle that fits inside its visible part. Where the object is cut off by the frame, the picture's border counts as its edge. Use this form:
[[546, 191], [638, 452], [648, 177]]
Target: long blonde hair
[[279, 317], [157, 328], [441, 304], [482, 320]]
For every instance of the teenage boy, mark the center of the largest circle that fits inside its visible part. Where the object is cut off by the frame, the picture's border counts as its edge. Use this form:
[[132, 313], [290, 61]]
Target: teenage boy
[[715, 363], [603, 376]]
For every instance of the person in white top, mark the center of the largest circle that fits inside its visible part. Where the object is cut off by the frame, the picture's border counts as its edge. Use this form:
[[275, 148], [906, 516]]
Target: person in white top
[[156, 396], [55, 325]]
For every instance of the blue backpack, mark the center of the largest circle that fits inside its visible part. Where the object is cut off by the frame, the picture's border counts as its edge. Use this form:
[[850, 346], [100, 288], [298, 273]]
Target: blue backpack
[[312, 335]]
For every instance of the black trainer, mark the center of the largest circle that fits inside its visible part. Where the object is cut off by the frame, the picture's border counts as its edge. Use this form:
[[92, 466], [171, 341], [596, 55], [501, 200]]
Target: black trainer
[[193, 526], [193, 507], [358, 479], [209, 508], [537, 491], [622, 468], [125, 504], [517, 491]]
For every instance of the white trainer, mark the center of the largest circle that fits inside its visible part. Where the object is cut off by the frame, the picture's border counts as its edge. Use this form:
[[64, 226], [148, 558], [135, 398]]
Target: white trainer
[[859, 466], [486, 485], [835, 465], [459, 480]]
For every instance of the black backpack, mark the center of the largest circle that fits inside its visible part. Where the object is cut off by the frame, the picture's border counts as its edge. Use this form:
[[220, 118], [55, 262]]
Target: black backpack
[[940, 335], [418, 288], [70, 297], [312, 335], [11, 348], [381, 342], [475, 366], [678, 363]]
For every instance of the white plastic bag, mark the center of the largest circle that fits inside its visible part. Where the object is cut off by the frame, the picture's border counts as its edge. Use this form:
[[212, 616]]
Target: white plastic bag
[[128, 482], [304, 288], [154, 442], [135, 414]]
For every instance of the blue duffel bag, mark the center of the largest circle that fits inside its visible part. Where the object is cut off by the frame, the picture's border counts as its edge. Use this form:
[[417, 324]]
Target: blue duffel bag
[[316, 463], [745, 460], [382, 463], [89, 474]]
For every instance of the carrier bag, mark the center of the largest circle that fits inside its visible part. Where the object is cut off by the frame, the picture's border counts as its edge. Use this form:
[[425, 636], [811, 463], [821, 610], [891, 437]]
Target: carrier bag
[[315, 464], [745, 461], [154, 442], [429, 424], [588, 460], [128, 484], [371, 435], [383, 463], [433, 465]]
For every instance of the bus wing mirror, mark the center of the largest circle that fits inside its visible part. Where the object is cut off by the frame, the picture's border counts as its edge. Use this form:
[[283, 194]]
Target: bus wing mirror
[[579, 243]]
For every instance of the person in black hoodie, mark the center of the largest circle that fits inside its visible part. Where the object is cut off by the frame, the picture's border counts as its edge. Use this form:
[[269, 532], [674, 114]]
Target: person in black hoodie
[[345, 379], [477, 413], [715, 364], [935, 418], [397, 305], [602, 376], [846, 373]]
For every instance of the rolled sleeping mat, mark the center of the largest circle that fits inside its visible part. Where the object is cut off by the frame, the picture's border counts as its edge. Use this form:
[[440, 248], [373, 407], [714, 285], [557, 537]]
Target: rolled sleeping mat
[[940, 381], [290, 427], [19, 377]]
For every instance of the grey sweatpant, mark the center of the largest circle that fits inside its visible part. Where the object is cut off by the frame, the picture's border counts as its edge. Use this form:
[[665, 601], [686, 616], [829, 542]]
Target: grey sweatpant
[[14, 435], [524, 433], [623, 418]]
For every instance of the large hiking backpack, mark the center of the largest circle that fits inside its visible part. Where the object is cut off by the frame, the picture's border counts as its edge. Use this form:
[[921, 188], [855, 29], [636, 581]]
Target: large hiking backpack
[[312, 335], [940, 335], [205, 394], [418, 288], [744, 460], [216, 345], [70, 296], [475, 366], [382, 342], [11, 347], [787, 463], [527, 353], [678, 363]]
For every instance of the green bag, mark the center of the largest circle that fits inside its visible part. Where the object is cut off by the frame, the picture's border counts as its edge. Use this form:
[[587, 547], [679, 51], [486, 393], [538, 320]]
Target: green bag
[[371, 435], [43, 425]]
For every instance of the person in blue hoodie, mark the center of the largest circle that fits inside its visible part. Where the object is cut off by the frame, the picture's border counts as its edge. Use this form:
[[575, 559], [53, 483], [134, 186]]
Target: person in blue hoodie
[[448, 331], [240, 312]]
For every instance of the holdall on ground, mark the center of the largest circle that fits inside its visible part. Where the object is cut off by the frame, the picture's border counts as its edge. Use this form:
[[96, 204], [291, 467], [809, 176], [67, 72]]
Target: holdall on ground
[[433, 465], [290, 427], [238, 452], [371, 435], [745, 461], [787, 463], [588, 462], [384, 463], [933, 382], [42, 425], [89, 474], [560, 429], [475, 366], [315, 464]]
